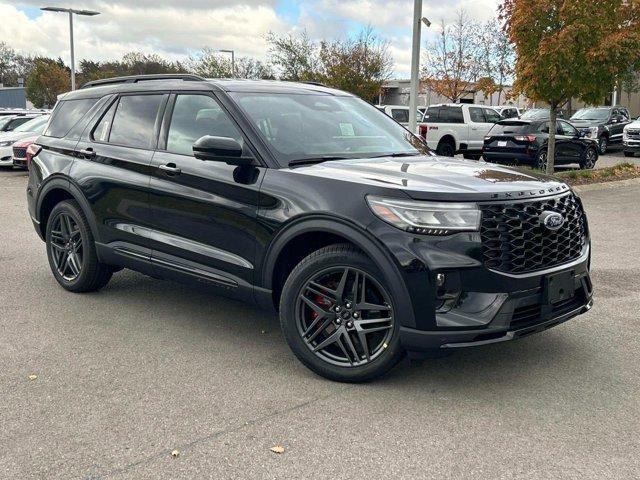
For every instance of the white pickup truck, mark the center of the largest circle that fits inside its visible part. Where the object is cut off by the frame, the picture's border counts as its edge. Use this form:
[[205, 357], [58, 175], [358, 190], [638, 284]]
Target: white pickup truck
[[457, 128]]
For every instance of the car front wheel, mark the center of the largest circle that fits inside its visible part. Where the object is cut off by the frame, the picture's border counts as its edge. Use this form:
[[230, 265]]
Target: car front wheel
[[603, 144], [71, 250], [338, 316], [589, 159]]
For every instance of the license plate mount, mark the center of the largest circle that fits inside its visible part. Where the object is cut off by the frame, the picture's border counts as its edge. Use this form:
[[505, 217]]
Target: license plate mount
[[502, 144], [559, 287]]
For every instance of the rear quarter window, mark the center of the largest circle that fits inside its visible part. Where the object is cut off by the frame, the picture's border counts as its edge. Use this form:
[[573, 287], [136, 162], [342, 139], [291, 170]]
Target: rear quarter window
[[66, 114]]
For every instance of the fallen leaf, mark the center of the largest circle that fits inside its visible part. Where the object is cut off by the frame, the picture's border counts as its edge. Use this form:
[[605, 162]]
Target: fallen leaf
[[33, 376], [277, 449], [175, 453]]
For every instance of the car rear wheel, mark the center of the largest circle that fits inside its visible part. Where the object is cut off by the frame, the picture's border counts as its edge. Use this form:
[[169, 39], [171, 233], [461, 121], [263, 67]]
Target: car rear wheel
[[446, 149], [589, 159], [71, 250], [603, 144], [541, 160], [338, 317]]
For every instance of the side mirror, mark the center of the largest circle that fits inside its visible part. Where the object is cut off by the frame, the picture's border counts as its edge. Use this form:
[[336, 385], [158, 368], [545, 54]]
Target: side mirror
[[582, 134], [220, 149]]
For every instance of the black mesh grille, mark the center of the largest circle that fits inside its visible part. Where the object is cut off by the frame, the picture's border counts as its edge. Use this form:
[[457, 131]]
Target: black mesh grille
[[515, 241], [19, 152]]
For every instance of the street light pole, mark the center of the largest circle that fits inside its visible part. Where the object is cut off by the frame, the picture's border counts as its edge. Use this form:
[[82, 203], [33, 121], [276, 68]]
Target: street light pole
[[71, 11], [415, 66]]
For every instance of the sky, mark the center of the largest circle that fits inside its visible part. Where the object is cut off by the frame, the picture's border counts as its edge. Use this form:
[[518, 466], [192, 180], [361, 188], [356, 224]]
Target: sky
[[178, 28]]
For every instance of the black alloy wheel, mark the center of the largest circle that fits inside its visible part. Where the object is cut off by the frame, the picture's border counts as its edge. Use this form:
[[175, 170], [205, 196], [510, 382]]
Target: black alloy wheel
[[66, 246], [541, 160], [590, 159], [338, 315], [603, 144], [344, 316]]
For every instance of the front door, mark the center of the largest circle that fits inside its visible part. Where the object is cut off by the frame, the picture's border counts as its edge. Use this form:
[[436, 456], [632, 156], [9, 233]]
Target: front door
[[568, 145], [204, 212]]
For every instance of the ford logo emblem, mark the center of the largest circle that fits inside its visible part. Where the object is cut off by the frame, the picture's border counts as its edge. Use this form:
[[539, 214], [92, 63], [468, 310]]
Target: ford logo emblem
[[551, 220]]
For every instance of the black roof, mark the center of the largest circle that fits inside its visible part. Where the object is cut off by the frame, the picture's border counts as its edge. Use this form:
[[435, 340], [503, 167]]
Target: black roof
[[148, 83]]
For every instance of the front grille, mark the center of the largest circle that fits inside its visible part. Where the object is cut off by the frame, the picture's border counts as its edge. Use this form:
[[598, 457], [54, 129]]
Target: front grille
[[514, 240], [19, 152], [633, 133]]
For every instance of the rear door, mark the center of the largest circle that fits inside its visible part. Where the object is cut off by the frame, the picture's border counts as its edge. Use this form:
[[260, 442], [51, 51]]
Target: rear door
[[204, 212], [478, 127], [113, 167]]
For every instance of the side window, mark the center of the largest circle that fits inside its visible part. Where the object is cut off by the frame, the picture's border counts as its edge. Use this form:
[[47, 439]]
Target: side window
[[195, 116], [101, 130], [476, 115], [567, 129], [134, 120], [400, 115], [451, 115], [491, 115], [432, 115], [66, 114], [544, 127]]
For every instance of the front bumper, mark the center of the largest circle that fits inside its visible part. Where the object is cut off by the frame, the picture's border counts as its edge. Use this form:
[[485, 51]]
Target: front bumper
[[632, 146]]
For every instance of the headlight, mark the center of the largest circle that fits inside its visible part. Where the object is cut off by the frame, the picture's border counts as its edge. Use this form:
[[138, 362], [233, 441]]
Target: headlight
[[6, 144], [593, 132], [426, 217]]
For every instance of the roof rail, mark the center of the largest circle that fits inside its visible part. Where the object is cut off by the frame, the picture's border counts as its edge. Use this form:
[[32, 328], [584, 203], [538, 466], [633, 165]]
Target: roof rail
[[318, 84], [142, 78]]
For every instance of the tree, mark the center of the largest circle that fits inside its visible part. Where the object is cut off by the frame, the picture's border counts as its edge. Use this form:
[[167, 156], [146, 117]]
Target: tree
[[451, 63], [211, 63], [570, 49], [47, 79], [295, 57], [630, 82], [13, 66], [132, 63], [360, 65]]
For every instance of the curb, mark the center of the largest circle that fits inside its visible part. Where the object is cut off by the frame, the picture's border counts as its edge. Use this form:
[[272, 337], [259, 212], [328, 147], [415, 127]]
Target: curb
[[606, 185]]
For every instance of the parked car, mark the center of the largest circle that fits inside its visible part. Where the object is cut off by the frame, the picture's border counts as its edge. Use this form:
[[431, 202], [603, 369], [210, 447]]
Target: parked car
[[399, 113], [22, 154], [540, 114], [604, 124], [455, 127], [526, 141], [309, 201], [9, 123], [35, 126], [631, 138], [508, 111]]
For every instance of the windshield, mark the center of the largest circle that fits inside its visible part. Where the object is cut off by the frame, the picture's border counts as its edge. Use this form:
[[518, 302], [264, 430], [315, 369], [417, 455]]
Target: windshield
[[314, 126], [535, 114], [4, 121], [35, 125], [591, 114]]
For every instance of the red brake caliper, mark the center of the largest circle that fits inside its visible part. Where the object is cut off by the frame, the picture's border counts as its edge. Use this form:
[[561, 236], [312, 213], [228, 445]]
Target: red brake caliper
[[322, 301]]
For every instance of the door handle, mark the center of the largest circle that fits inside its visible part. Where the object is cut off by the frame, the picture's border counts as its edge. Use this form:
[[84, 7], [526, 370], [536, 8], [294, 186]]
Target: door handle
[[170, 168], [87, 153]]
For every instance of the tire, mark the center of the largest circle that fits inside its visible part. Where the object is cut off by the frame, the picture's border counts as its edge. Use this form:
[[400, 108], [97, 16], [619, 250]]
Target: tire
[[589, 159], [629, 154], [313, 322], [72, 257], [603, 144], [541, 159], [446, 149]]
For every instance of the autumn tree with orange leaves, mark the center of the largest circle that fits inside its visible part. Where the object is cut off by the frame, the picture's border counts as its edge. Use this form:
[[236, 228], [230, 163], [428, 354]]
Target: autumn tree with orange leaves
[[570, 49]]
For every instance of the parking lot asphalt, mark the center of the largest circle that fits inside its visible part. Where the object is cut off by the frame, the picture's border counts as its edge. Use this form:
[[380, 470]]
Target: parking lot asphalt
[[144, 367]]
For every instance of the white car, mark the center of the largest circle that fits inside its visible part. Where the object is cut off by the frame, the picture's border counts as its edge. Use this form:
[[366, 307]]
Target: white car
[[399, 113], [33, 127], [631, 138], [508, 111], [452, 128]]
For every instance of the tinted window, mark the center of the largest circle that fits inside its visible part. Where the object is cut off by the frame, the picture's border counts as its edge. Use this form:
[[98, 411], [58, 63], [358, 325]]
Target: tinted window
[[544, 127], [566, 129], [400, 115], [35, 125], [432, 114], [16, 122], [506, 128], [101, 130], [476, 115], [66, 115], [195, 116], [451, 115], [491, 115], [134, 121]]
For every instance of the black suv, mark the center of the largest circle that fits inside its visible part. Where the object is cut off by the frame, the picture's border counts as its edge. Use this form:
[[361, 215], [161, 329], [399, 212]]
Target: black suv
[[309, 201], [603, 124]]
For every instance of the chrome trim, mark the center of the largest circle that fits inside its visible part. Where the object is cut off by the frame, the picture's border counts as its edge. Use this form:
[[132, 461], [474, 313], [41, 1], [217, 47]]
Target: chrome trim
[[184, 244], [573, 263]]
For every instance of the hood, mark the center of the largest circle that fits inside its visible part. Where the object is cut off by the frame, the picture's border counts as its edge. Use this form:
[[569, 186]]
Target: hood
[[586, 123], [15, 136], [634, 124], [435, 178]]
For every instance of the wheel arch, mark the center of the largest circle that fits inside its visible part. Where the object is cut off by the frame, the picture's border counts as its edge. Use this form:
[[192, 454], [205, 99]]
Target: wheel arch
[[449, 138], [333, 230], [55, 191]]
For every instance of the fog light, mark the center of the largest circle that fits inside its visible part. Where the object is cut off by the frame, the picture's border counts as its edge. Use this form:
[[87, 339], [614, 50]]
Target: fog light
[[440, 279]]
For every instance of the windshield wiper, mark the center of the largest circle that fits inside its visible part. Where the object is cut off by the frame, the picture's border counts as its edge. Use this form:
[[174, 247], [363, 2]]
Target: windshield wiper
[[312, 160], [398, 154]]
